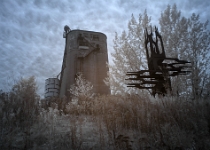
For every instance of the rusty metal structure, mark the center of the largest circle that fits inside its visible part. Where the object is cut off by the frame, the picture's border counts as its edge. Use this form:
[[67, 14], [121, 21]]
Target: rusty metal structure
[[160, 68]]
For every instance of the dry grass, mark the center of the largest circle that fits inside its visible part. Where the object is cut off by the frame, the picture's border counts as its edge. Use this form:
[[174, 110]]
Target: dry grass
[[169, 123], [103, 122]]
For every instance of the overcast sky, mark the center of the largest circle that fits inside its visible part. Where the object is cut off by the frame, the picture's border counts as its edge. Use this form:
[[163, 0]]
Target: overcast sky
[[31, 31]]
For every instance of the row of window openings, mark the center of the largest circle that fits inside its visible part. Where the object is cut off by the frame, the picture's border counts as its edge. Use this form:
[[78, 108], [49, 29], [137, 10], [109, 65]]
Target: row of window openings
[[51, 92], [92, 37], [52, 83], [85, 43]]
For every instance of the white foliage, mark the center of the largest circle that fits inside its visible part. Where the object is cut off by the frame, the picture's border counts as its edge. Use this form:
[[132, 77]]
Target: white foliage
[[82, 87], [129, 53], [187, 39]]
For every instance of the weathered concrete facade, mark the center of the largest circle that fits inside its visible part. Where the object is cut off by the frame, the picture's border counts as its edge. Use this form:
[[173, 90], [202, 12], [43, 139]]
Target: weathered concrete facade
[[85, 52]]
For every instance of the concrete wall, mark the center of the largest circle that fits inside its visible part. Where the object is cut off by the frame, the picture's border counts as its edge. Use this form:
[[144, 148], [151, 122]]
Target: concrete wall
[[86, 59]]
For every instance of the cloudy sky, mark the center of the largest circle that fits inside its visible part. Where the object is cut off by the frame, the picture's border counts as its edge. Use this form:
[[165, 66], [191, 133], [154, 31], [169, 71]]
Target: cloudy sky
[[31, 41]]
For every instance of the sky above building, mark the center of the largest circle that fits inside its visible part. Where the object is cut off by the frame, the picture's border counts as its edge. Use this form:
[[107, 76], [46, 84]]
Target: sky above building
[[31, 31]]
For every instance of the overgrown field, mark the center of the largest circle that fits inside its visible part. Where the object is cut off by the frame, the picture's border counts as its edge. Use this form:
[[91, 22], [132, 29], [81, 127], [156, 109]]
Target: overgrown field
[[102, 122]]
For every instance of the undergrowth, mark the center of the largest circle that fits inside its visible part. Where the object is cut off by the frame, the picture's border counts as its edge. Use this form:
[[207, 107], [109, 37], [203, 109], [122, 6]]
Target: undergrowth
[[102, 122]]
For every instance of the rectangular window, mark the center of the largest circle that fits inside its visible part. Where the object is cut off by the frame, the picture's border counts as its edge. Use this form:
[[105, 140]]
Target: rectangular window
[[95, 37], [85, 35]]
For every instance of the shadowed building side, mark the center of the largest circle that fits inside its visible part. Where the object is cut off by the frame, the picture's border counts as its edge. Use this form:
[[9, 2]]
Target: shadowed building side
[[85, 52]]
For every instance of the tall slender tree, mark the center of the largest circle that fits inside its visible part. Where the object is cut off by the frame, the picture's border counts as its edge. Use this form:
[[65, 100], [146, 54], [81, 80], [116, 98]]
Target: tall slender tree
[[198, 47], [187, 38], [174, 30], [129, 53]]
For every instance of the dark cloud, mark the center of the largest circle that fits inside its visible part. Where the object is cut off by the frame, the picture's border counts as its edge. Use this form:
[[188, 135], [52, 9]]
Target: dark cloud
[[31, 31]]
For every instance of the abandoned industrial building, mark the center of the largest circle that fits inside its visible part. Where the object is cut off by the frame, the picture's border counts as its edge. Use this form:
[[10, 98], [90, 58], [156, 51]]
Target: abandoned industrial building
[[85, 52]]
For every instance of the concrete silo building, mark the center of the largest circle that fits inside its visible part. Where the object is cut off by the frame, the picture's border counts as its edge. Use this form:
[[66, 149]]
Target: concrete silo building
[[86, 53]]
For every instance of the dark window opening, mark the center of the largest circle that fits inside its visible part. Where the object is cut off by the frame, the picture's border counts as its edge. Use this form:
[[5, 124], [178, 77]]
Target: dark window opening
[[82, 41], [95, 37], [85, 35]]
